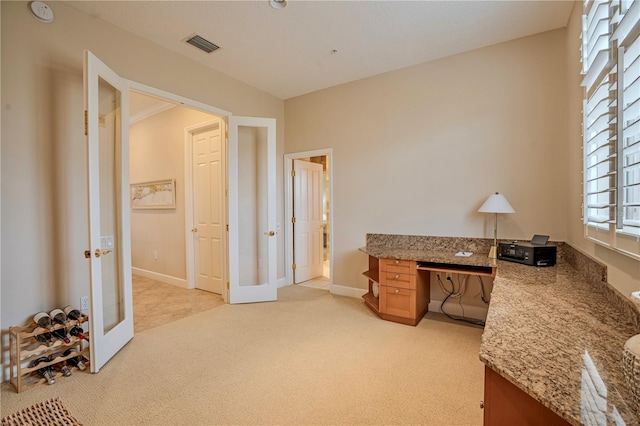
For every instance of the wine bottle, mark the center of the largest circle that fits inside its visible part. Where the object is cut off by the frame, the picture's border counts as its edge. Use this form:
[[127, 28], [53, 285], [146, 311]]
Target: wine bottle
[[72, 313], [61, 334], [78, 332], [43, 320], [60, 366], [58, 316], [43, 336], [45, 372], [76, 360]]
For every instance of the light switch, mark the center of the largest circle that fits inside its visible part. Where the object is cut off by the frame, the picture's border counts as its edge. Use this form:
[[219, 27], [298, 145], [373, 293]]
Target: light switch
[[107, 242]]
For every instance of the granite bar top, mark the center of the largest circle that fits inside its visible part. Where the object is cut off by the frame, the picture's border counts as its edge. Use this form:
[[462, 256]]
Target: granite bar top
[[435, 256], [559, 339], [557, 332]]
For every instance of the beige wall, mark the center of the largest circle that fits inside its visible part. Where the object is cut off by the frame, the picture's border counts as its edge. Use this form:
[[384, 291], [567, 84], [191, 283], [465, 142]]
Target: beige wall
[[44, 201], [418, 150], [157, 147], [623, 271]]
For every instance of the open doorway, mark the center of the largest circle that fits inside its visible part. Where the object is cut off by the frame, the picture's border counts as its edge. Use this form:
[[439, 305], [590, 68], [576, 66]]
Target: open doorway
[[162, 134], [308, 245]]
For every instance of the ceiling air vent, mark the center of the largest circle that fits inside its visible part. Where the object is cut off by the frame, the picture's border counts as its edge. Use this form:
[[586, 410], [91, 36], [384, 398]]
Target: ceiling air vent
[[201, 43]]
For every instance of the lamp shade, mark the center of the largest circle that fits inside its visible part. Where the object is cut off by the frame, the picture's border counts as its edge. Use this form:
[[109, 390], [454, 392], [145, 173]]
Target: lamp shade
[[496, 203]]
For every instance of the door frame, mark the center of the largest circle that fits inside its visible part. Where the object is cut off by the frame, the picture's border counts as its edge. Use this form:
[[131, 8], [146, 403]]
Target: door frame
[[288, 209], [188, 199], [209, 109]]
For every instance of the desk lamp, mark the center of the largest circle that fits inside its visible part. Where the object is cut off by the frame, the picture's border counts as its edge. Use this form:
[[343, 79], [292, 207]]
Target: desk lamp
[[496, 203]]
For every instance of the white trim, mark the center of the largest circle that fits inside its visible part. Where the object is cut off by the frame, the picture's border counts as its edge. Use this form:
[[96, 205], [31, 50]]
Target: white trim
[[148, 90], [167, 279], [454, 309], [150, 112], [282, 282], [288, 206], [340, 290]]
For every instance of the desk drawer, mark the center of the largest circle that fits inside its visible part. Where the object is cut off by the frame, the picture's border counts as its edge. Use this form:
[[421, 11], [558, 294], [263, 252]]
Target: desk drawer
[[394, 279], [398, 301], [398, 266]]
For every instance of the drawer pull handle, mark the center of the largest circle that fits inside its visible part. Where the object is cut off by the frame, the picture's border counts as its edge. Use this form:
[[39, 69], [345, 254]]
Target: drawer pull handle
[[396, 277], [396, 261], [397, 291]]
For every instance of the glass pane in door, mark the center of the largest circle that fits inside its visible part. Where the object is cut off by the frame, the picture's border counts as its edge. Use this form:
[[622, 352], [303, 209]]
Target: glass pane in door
[[109, 105], [252, 199]]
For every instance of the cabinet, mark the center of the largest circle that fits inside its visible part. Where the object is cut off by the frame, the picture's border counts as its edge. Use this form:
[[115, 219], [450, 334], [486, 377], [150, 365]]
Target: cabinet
[[506, 404], [403, 293], [24, 348]]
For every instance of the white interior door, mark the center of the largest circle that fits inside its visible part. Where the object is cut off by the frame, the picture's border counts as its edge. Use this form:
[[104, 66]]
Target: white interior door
[[209, 207], [307, 229], [252, 210], [106, 126]]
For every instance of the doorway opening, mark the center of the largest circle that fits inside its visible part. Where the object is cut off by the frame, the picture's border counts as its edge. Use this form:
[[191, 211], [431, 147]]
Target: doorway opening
[[309, 215], [164, 245]]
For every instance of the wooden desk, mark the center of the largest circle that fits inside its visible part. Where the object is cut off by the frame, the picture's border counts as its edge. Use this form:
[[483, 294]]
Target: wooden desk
[[403, 286]]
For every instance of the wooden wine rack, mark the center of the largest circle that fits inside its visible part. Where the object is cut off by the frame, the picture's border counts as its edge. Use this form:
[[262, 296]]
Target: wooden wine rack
[[25, 348]]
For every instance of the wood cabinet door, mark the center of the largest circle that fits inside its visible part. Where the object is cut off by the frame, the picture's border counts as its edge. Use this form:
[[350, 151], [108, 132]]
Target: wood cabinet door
[[506, 405], [398, 301]]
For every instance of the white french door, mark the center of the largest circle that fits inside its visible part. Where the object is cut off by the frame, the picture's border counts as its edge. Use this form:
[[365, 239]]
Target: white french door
[[106, 126], [252, 210], [308, 230]]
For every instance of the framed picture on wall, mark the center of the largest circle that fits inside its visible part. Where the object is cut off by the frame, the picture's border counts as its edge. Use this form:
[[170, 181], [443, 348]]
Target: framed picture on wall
[[160, 194]]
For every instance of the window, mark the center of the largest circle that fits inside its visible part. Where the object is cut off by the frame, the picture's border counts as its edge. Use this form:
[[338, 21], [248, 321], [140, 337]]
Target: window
[[611, 123]]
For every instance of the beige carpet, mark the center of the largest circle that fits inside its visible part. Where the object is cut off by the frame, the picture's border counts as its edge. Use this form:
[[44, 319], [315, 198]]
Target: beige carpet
[[310, 358]]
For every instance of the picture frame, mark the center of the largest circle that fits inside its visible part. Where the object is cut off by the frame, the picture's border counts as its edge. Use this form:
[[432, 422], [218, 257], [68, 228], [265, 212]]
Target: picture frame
[[159, 194]]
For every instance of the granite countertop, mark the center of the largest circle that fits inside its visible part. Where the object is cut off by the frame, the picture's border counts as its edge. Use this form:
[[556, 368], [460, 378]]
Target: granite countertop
[[550, 331], [447, 256], [560, 340]]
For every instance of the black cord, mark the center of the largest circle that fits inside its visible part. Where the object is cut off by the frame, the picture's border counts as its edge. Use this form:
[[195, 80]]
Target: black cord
[[482, 289], [480, 323]]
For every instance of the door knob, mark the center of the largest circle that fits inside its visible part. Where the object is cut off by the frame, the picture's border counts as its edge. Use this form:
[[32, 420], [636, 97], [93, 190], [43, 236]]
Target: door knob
[[194, 230], [270, 233]]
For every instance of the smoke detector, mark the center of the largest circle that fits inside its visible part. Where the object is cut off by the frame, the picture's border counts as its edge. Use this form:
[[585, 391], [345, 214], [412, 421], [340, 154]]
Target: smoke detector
[[41, 11]]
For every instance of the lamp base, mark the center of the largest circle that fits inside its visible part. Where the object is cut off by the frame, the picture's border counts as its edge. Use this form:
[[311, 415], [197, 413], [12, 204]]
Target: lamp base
[[493, 252]]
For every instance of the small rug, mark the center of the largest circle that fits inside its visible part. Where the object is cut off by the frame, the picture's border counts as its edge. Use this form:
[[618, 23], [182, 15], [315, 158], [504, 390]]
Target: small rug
[[50, 413]]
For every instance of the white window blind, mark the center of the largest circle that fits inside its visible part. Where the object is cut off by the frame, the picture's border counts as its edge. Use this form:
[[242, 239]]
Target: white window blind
[[611, 123]]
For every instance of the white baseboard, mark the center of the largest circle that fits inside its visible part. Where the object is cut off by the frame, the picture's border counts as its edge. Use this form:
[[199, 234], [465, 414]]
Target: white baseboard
[[282, 282], [341, 290], [454, 309], [178, 282]]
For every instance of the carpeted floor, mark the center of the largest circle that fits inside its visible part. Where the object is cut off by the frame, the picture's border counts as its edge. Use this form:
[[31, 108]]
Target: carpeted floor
[[310, 358]]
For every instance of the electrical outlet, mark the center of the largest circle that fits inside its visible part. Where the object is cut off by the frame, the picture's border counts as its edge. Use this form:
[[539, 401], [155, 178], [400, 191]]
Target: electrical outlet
[[155, 255], [84, 303]]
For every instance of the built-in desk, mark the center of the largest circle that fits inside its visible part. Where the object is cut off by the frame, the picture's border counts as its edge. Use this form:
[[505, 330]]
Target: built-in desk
[[399, 279], [553, 339]]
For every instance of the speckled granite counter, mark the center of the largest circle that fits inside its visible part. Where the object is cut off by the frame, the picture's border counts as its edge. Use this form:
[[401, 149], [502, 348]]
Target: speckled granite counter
[[557, 333], [559, 339]]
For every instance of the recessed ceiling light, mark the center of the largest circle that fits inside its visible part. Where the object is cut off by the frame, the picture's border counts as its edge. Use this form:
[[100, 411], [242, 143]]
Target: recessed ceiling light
[[278, 4]]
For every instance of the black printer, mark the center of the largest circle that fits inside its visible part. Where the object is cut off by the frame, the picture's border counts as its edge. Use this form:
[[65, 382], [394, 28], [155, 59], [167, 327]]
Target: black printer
[[535, 253]]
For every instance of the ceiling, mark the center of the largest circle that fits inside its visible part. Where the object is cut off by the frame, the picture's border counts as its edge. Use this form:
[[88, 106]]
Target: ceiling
[[312, 45]]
